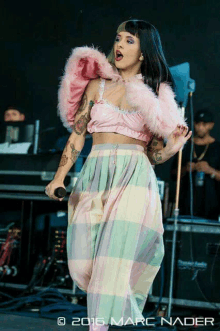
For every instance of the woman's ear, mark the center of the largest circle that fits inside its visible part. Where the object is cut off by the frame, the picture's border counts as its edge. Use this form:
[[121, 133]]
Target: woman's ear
[[141, 58], [22, 117]]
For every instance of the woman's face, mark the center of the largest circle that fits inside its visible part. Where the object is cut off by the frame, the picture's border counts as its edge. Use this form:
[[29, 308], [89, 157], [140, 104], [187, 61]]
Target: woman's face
[[129, 47]]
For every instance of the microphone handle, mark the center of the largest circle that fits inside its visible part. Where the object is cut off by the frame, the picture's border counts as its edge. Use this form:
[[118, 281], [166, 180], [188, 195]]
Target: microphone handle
[[60, 192]]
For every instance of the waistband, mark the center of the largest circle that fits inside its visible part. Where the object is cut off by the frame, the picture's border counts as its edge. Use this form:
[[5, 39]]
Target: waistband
[[117, 146]]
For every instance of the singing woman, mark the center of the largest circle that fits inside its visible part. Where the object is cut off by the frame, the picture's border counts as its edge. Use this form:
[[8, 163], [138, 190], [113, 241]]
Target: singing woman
[[126, 101]]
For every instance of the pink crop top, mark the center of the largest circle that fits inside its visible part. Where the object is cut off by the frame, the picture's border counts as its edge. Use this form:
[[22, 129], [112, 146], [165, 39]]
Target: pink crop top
[[106, 117]]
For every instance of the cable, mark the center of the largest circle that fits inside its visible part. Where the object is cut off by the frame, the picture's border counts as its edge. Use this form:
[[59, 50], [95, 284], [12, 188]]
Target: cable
[[41, 296], [7, 295], [191, 156], [38, 268]]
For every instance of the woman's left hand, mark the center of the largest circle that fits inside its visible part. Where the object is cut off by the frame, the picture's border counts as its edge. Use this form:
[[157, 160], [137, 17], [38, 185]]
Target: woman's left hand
[[177, 139]]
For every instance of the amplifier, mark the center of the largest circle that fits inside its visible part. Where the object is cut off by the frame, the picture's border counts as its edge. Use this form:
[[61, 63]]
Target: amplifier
[[31, 181], [197, 264], [31, 173]]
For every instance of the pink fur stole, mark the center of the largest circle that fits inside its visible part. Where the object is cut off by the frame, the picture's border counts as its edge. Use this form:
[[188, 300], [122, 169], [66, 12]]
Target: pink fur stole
[[161, 113]]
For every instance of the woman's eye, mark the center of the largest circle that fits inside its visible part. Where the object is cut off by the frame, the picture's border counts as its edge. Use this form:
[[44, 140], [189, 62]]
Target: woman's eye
[[129, 40]]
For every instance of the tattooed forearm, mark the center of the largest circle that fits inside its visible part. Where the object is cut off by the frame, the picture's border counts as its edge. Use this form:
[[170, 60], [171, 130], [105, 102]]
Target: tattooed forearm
[[73, 156], [153, 154], [63, 160], [77, 139], [74, 153], [156, 157], [155, 151], [154, 143], [80, 126]]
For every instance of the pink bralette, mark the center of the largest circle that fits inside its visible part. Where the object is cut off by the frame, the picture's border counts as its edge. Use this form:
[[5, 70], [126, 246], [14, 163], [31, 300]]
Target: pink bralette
[[107, 117]]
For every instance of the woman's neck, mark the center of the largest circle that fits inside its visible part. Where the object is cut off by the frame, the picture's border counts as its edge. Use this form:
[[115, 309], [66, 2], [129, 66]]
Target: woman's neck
[[126, 74]]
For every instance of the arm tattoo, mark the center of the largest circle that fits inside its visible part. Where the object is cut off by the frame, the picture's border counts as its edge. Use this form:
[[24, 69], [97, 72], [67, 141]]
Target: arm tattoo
[[156, 157], [63, 160], [80, 126], [154, 154], [91, 103], [155, 143], [74, 153]]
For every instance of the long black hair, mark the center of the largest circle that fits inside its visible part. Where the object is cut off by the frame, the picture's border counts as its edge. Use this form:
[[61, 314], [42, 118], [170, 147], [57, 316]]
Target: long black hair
[[154, 67]]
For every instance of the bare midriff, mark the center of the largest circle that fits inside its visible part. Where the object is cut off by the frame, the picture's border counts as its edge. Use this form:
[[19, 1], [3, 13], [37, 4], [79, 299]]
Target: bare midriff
[[114, 138]]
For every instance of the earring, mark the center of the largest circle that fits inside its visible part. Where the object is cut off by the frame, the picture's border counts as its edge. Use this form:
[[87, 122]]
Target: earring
[[141, 58]]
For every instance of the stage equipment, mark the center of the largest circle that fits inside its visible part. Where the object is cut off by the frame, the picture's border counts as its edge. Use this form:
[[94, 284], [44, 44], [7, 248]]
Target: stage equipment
[[196, 265]]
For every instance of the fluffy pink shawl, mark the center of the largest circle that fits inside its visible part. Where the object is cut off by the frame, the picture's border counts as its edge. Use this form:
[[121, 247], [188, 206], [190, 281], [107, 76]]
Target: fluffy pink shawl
[[161, 113]]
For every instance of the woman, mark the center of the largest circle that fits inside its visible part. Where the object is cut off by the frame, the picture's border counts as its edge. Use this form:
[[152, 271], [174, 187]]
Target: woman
[[114, 236]]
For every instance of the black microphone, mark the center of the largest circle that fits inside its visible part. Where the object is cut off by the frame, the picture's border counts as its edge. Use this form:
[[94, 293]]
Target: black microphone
[[60, 192]]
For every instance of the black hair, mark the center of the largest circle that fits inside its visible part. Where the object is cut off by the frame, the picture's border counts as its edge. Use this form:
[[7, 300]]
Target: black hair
[[154, 67]]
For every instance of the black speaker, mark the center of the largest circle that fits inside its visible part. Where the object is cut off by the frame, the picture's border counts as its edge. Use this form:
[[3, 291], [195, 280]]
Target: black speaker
[[197, 263]]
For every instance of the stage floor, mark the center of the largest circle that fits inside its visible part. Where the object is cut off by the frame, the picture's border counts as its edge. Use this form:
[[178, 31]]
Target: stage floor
[[9, 322]]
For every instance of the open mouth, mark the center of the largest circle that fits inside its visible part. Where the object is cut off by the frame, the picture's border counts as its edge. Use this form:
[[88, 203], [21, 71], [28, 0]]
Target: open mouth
[[119, 56]]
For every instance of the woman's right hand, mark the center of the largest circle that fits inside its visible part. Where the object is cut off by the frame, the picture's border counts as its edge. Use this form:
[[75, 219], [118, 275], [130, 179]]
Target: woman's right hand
[[50, 188]]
